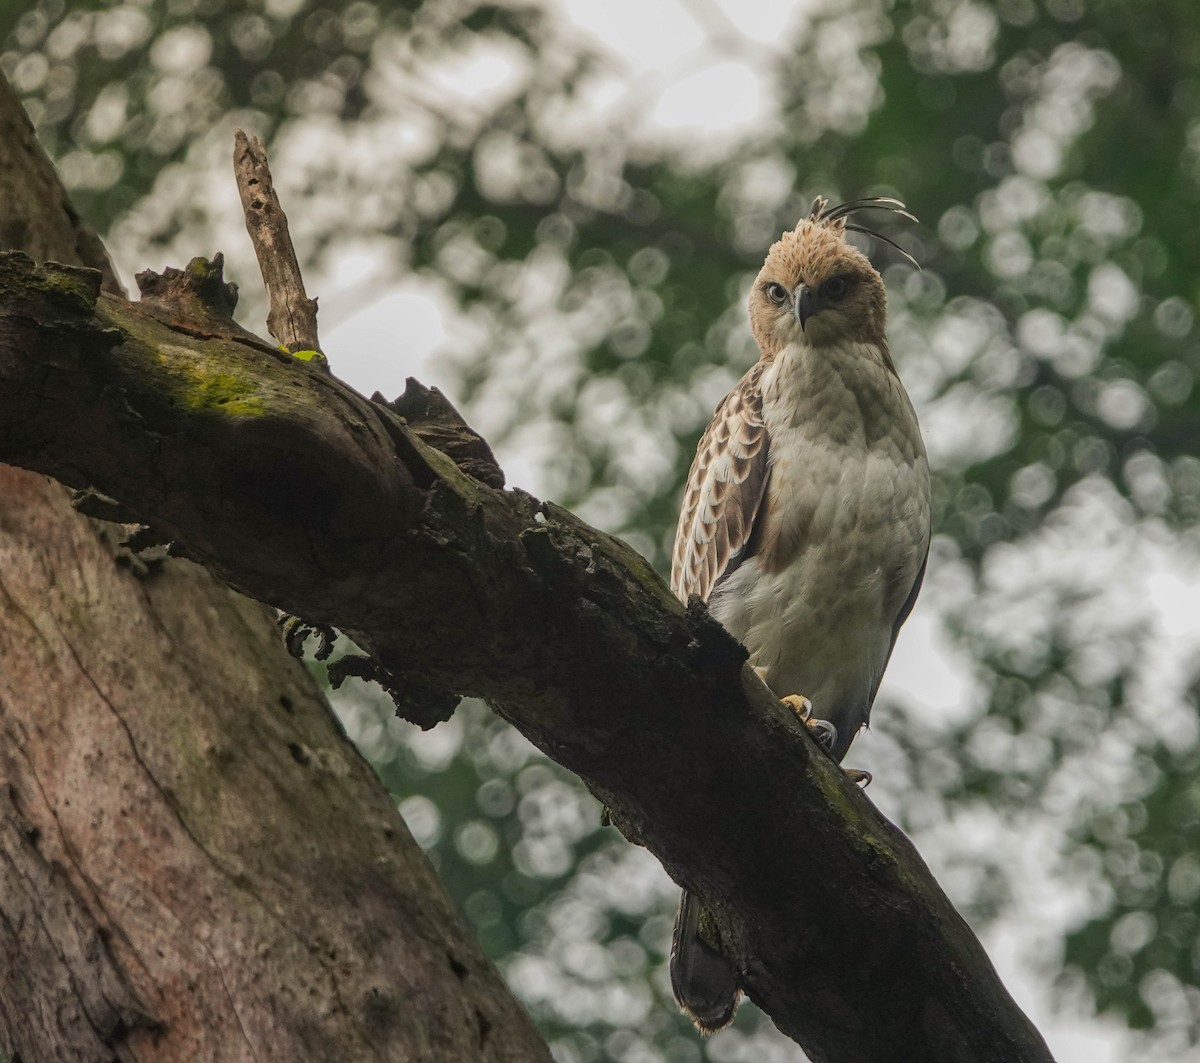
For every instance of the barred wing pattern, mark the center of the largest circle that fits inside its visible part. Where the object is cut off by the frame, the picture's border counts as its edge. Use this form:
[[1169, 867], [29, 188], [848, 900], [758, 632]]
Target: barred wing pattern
[[725, 489]]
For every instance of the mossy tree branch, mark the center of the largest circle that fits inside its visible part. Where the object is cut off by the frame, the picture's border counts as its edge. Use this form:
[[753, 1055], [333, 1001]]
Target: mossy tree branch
[[304, 494]]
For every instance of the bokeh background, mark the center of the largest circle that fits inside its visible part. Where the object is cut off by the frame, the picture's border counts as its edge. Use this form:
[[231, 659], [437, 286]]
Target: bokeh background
[[553, 212]]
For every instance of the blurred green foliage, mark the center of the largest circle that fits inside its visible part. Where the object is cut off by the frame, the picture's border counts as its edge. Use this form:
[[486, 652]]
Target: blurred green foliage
[[1052, 149]]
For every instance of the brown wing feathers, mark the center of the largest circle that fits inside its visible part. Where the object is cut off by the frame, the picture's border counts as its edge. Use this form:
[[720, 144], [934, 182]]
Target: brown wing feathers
[[725, 489]]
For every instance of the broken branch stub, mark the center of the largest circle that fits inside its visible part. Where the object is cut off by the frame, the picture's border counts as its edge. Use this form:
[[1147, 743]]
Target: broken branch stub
[[292, 317]]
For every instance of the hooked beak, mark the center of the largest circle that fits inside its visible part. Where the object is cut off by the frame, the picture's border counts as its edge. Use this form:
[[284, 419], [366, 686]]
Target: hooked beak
[[806, 304]]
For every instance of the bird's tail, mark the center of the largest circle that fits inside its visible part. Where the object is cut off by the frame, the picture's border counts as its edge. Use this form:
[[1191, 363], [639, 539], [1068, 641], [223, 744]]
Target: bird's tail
[[704, 981]]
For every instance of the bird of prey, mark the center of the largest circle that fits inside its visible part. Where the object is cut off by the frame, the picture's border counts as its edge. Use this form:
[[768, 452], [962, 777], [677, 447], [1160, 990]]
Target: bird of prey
[[805, 521]]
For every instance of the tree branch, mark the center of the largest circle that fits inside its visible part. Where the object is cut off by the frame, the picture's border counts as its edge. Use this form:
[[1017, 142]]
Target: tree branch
[[303, 494], [292, 317]]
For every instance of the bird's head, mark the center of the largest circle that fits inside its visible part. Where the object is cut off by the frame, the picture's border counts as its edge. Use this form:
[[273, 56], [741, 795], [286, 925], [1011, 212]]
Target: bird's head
[[816, 288]]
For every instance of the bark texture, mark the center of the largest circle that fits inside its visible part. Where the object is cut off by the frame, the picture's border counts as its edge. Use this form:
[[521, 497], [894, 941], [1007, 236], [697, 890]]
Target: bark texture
[[194, 863], [303, 493]]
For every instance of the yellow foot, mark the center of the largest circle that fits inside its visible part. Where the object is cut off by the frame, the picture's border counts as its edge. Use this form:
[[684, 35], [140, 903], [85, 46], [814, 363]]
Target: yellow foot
[[822, 730]]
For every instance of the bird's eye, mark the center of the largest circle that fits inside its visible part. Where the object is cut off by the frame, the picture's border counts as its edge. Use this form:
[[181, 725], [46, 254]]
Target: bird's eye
[[835, 287], [777, 293]]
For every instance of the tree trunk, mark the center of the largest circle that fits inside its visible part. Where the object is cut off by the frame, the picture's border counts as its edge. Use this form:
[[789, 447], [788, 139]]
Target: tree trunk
[[194, 862]]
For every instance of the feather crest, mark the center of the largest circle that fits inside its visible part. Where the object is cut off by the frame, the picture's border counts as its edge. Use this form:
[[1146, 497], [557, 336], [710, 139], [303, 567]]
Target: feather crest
[[839, 216]]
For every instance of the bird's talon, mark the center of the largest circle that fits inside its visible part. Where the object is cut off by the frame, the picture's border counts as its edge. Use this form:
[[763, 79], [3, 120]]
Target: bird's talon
[[799, 704], [822, 730], [858, 776]]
